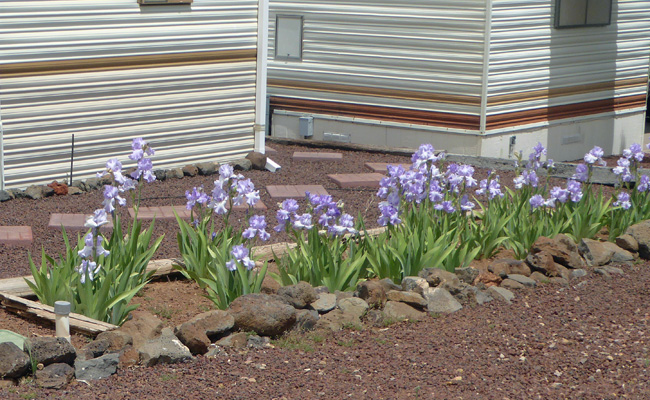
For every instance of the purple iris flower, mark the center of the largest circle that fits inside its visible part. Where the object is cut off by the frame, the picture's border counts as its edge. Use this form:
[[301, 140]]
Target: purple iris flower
[[536, 201], [446, 206], [623, 200], [644, 182], [594, 156], [582, 173]]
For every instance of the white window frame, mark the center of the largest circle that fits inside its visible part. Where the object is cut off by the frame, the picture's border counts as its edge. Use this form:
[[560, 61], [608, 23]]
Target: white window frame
[[561, 6]]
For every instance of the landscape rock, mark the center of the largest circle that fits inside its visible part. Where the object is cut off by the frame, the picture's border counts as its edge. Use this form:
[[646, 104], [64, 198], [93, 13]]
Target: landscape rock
[[16, 193], [562, 248], [299, 295], [50, 350], [96, 368], [142, 327], [436, 277], [411, 298], [257, 159], [165, 349], [258, 342], [506, 266], [641, 233], [236, 340], [160, 174], [467, 274], [96, 348], [354, 306], [206, 168], [558, 280], [375, 317], [242, 164], [36, 192], [14, 363], [501, 294], [117, 340], [129, 356], [342, 295], [511, 284], [4, 196], [398, 311], [414, 284], [196, 333], [174, 173], [628, 242], [306, 320], [325, 303], [55, 376], [372, 292], [388, 284], [60, 189], [73, 191], [440, 300], [539, 277], [78, 184], [337, 320], [488, 279], [595, 253], [264, 314], [544, 262], [619, 255], [97, 183], [190, 170], [578, 273], [524, 280]]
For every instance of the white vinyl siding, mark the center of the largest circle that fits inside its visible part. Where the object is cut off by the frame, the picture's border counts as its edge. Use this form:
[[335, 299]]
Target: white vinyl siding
[[189, 111]]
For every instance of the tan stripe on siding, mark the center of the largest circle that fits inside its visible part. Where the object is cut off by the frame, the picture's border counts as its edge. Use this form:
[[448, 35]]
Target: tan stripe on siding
[[126, 62], [566, 91], [374, 91]]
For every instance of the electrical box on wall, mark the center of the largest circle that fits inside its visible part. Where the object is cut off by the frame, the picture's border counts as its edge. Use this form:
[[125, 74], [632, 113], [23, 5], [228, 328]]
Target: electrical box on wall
[[306, 126]]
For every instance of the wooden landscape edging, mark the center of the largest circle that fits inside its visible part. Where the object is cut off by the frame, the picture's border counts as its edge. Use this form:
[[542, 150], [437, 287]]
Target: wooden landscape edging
[[33, 309], [13, 290]]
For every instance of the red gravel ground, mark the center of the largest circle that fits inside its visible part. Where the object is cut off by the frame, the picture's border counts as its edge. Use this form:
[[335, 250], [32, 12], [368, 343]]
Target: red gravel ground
[[585, 341]]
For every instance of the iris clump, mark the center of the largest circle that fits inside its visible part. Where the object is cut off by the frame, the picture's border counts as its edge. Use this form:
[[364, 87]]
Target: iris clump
[[327, 252], [215, 255], [99, 276]]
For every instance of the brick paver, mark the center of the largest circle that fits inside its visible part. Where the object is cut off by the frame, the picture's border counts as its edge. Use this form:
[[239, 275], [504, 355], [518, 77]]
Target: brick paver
[[381, 167], [313, 156], [160, 212], [16, 235], [72, 222], [270, 151], [370, 180], [294, 191], [167, 212]]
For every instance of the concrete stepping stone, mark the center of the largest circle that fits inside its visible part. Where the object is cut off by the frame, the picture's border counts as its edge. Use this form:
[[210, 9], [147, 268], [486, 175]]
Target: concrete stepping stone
[[381, 167], [313, 156], [270, 151], [72, 222], [370, 180], [294, 191], [16, 235]]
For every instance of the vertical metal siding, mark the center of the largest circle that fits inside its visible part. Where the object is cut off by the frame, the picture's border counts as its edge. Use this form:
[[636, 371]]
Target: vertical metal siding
[[528, 55], [426, 46], [189, 110]]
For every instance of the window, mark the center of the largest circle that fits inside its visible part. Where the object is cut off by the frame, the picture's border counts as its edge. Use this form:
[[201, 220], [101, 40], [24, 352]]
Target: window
[[288, 37], [578, 13]]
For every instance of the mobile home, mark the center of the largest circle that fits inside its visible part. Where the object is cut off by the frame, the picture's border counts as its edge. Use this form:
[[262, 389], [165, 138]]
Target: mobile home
[[478, 77], [185, 76]]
